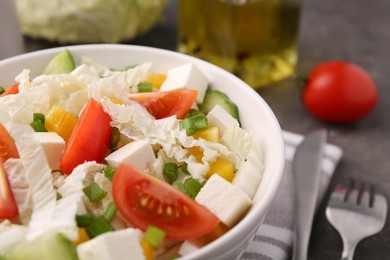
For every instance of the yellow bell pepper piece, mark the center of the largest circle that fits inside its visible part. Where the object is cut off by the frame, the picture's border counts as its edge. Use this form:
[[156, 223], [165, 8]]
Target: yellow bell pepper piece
[[223, 168], [148, 249], [60, 121], [83, 236], [209, 134], [156, 79], [197, 153], [116, 101]]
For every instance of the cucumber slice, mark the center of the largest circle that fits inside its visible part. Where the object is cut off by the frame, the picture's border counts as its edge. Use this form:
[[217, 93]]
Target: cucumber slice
[[46, 247], [216, 97], [62, 63]]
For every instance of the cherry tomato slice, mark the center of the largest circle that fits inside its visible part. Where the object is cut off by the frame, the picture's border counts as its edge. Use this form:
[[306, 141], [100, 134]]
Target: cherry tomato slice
[[163, 104], [8, 207], [90, 138], [7, 146], [339, 91], [144, 200]]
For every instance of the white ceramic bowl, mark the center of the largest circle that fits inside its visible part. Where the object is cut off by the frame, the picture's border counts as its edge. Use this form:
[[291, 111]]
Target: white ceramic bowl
[[255, 115]]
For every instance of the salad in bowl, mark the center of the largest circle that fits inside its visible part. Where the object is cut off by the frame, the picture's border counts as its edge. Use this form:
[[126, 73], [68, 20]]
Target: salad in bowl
[[144, 160]]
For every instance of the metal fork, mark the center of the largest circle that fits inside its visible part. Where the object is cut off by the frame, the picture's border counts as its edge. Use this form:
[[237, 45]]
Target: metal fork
[[356, 213]]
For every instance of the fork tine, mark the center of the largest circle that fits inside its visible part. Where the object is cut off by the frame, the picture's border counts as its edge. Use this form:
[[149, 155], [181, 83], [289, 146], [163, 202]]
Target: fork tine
[[346, 209], [339, 193], [365, 198], [353, 195]]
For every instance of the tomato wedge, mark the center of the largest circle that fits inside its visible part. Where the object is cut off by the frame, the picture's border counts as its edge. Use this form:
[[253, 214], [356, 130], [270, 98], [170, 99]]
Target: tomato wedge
[[90, 138], [163, 104], [7, 146], [144, 200], [8, 207], [14, 89]]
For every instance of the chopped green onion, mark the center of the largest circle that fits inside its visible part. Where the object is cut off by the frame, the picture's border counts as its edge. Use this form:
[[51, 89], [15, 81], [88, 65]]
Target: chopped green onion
[[98, 226], [179, 186], [39, 117], [154, 236], [109, 172], [193, 122], [110, 212], [84, 220], [187, 125], [145, 87], [94, 193], [200, 121], [115, 137], [38, 123], [170, 172], [184, 168], [38, 126], [193, 112], [192, 187], [2, 90]]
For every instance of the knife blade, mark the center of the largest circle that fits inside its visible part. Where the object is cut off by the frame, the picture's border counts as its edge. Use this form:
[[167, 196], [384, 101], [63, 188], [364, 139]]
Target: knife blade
[[306, 171]]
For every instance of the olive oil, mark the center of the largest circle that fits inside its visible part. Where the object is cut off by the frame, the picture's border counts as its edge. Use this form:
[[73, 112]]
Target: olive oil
[[254, 39]]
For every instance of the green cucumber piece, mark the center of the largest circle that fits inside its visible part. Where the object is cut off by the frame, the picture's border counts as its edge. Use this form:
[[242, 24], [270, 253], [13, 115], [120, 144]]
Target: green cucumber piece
[[216, 97], [62, 63], [45, 247]]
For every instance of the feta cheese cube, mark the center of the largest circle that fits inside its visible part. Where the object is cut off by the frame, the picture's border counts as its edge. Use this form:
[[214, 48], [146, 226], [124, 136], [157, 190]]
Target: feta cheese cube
[[188, 76], [137, 153], [53, 146], [223, 199], [121, 244], [220, 118]]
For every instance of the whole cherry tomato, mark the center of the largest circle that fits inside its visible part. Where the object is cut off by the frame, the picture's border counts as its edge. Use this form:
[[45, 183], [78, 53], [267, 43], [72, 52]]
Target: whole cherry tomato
[[339, 91]]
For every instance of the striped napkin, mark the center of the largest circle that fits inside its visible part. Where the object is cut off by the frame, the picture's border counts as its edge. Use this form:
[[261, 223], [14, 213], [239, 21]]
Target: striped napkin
[[273, 240]]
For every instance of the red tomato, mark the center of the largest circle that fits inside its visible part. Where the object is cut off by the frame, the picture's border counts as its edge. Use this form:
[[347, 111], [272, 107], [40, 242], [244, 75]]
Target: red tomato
[[144, 200], [90, 138], [339, 91], [163, 104], [8, 207], [14, 89], [7, 146]]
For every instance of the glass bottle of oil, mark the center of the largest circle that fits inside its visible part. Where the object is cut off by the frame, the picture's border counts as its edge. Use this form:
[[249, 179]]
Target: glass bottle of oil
[[254, 39]]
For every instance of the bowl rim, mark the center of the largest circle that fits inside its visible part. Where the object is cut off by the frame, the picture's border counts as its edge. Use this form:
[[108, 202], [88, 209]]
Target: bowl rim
[[251, 219]]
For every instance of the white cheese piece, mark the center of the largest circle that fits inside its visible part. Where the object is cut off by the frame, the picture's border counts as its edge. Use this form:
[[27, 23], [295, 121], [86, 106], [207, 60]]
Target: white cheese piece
[[223, 199], [188, 76], [187, 248], [137, 153], [53, 145], [122, 244], [220, 118], [249, 175]]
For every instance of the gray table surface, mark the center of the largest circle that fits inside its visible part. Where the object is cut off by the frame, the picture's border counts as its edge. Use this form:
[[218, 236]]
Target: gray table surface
[[352, 30]]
